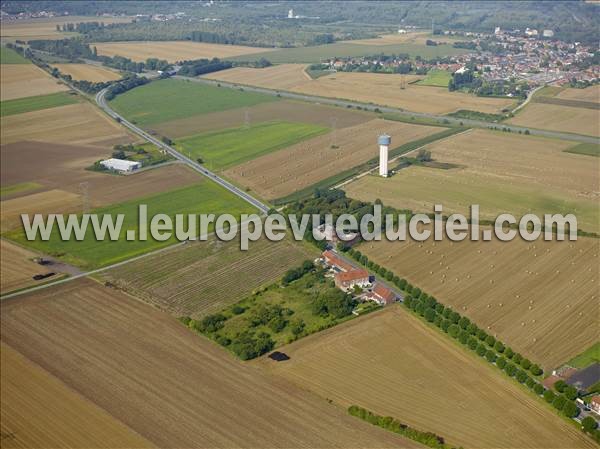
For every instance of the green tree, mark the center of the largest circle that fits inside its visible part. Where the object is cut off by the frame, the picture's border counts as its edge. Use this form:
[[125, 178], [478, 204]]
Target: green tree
[[560, 386], [589, 424], [549, 396], [430, 315], [570, 409], [499, 347], [571, 393], [559, 402]]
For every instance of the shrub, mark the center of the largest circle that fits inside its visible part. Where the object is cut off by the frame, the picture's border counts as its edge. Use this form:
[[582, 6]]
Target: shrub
[[549, 396], [430, 315], [559, 402], [464, 322], [536, 370], [525, 363], [454, 330], [521, 376], [509, 353], [408, 301], [589, 424], [499, 347], [481, 350], [439, 308], [438, 321], [490, 340], [530, 382], [517, 358], [463, 337], [490, 356], [510, 369], [481, 334], [501, 362], [473, 343], [538, 388], [237, 309], [445, 325]]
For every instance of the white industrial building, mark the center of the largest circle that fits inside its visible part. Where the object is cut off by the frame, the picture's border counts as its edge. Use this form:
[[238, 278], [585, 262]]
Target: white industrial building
[[384, 144], [121, 165]]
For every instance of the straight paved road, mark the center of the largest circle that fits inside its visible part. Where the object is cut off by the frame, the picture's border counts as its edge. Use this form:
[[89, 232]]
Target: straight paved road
[[101, 101], [408, 114]]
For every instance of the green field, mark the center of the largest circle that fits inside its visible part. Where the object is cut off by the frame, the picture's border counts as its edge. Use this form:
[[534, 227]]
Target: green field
[[202, 198], [437, 78], [18, 188], [588, 149], [164, 100], [225, 148], [9, 56], [28, 104], [343, 50], [586, 358]]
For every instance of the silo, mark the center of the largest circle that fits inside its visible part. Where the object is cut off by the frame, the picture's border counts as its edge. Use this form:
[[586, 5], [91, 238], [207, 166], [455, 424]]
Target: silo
[[384, 144]]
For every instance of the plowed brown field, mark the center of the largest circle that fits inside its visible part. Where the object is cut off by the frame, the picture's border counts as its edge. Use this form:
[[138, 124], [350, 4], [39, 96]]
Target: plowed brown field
[[172, 387]]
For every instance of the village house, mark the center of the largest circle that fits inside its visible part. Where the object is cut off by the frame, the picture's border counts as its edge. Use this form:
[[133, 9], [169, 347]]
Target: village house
[[336, 262], [383, 295], [595, 404], [349, 279]]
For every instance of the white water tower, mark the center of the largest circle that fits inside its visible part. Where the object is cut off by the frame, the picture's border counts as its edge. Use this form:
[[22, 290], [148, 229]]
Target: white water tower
[[384, 144]]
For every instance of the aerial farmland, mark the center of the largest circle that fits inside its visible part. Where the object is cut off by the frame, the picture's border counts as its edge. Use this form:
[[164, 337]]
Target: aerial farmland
[[170, 276]]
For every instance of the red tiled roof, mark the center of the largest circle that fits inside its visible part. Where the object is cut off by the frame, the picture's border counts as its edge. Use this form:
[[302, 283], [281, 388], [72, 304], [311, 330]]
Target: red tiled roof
[[333, 259], [550, 381], [352, 275], [384, 293], [596, 399]]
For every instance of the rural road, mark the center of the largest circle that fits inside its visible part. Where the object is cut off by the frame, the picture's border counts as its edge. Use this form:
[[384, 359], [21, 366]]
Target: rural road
[[101, 101], [409, 114]]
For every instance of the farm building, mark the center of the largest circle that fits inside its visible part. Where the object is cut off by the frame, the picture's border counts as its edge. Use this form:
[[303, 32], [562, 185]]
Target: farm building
[[336, 262], [595, 404], [383, 295], [349, 279], [121, 165]]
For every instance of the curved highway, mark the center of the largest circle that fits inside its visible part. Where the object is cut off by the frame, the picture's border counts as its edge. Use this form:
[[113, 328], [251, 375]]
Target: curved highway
[[101, 101], [371, 107]]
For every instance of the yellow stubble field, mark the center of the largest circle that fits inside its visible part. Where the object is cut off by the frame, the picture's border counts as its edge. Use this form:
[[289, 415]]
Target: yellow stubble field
[[26, 80], [377, 88], [88, 72], [17, 267], [173, 51], [538, 297]]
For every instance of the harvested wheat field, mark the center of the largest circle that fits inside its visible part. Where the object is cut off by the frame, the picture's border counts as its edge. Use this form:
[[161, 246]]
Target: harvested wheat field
[[559, 118], [50, 202], [286, 171], [389, 39], [195, 280], [591, 93], [377, 88], [78, 123], [173, 51], [26, 80], [501, 172], [281, 76], [539, 297], [38, 410], [88, 72], [17, 267], [174, 388], [30, 29], [395, 365], [291, 111]]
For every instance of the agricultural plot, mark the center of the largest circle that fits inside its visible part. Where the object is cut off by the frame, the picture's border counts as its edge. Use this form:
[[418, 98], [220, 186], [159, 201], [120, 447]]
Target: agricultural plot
[[278, 174], [173, 51], [38, 410], [547, 311], [88, 72], [14, 190], [587, 149], [291, 111], [559, 118], [384, 89], [436, 78], [31, 29], [28, 104], [17, 267], [317, 53], [224, 148], [565, 115], [79, 123], [586, 358], [202, 198], [196, 279], [500, 172], [397, 38], [143, 368], [165, 100], [53, 201], [26, 80], [395, 365]]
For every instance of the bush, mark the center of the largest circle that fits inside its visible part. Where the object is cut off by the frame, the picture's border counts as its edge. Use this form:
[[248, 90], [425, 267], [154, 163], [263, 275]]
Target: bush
[[463, 337], [560, 386], [549, 396], [438, 321], [526, 364], [453, 330], [473, 343], [445, 325], [570, 409], [481, 334], [538, 388], [521, 376], [481, 350], [510, 369], [571, 393], [490, 356], [509, 353], [589, 424], [530, 382], [559, 402], [490, 340], [517, 358], [430, 315], [536, 370], [499, 347], [501, 362], [211, 323], [238, 310]]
